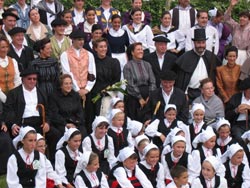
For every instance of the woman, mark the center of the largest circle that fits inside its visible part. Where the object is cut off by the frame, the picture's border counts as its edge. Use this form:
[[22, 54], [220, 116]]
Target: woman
[[108, 72], [47, 67], [9, 73], [141, 81], [139, 32], [118, 41], [65, 105], [240, 32], [227, 76], [36, 31], [176, 37]]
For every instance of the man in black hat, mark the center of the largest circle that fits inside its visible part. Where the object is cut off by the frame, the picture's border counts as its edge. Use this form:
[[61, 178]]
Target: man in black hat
[[167, 94], [21, 53], [238, 108], [21, 109], [196, 65], [161, 60], [79, 63]]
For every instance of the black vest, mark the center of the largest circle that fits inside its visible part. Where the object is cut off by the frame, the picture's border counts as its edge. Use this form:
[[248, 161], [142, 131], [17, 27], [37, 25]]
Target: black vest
[[192, 133], [237, 181], [217, 181], [224, 148], [151, 174], [120, 140], [183, 161], [175, 17], [86, 180], [25, 172], [70, 165], [202, 154], [113, 183]]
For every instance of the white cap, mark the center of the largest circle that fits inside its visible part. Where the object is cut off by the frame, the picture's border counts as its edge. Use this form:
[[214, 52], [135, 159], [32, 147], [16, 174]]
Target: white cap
[[66, 137], [197, 106], [169, 106], [231, 150], [82, 162], [222, 121], [212, 12], [177, 138], [246, 135], [148, 148], [139, 138], [125, 153], [97, 121], [216, 163], [204, 136], [152, 129], [114, 101], [134, 127], [39, 137], [113, 113], [171, 134], [22, 133]]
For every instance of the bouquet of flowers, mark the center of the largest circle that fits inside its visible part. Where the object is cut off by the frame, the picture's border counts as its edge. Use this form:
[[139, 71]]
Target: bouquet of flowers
[[115, 87]]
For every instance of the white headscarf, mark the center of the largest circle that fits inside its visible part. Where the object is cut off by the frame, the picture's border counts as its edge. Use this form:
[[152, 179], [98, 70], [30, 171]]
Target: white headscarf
[[115, 100], [197, 106], [217, 164], [148, 148], [125, 153], [152, 129], [22, 133], [177, 138], [222, 121], [97, 121], [204, 136], [139, 138], [66, 137], [246, 135], [169, 106], [113, 113], [231, 150], [212, 12], [82, 162], [134, 127], [171, 134]]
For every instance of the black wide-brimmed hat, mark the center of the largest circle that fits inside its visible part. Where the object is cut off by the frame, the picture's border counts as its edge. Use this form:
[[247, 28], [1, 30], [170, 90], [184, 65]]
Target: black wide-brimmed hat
[[199, 35], [168, 75], [244, 84], [58, 22], [16, 30], [161, 38], [28, 71], [77, 34]]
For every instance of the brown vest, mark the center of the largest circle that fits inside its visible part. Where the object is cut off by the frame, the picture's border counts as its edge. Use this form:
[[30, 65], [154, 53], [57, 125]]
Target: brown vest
[[7, 76]]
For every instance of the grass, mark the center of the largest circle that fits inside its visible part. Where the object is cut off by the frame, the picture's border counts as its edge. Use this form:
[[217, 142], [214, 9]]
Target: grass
[[3, 183]]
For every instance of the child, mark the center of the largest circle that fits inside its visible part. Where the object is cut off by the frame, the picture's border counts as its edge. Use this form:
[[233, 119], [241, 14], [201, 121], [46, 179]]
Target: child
[[211, 176], [141, 142], [67, 17], [121, 136], [224, 139], [68, 156], [179, 175], [177, 156], [88, 174], [26, 167], [151, 166], [126, 172], [237, 172], [52, 178], [136, 128], [100, 143]]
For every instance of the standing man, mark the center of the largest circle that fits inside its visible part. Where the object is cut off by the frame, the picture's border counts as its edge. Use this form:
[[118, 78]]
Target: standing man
[[161, 60], [78, 14], [195, 65], [21, 53]]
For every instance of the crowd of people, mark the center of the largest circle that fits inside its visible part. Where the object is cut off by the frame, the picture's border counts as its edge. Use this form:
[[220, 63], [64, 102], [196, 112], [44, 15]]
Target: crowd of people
[[93, 97]]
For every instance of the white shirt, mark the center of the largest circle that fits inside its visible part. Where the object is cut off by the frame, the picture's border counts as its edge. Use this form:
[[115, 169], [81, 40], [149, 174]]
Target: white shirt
[[93, 179], [160, 174], [51, 17], [91, 70], [51, 173], [18, 51], [87, 27], [145, 36], [166, 97], [86, 146], [31, 101], [78, 18], [212, 35], [12, 168], [121, 173], [197, 183], [160, 60], [173, 185], [60, 163], [242, 117]]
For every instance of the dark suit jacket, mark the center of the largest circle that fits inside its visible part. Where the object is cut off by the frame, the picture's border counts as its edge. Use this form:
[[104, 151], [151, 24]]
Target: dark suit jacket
[[178, 98], [26, 57], [15, 104], [168, 64]]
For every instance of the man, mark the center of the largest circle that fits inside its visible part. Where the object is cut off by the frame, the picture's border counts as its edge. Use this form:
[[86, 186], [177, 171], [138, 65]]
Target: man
[[78, 13], [80, 64], [146, 17], [195, 65], [212, 42], [183, 16], [167, 94], [49, 10], [161, 60], [59, 42], [21, 109], [23, 13], [22, 54], [238, 108]]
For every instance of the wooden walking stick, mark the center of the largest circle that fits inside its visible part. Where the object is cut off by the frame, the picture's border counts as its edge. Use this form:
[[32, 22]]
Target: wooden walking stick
[[43, 115], [157, 106]]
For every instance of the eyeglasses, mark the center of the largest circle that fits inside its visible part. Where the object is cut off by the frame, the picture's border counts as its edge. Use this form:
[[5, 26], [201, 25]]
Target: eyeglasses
[[31, 78]]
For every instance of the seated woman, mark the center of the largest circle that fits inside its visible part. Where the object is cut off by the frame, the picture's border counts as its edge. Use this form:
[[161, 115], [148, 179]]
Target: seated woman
[[141, 81], [65, 106]]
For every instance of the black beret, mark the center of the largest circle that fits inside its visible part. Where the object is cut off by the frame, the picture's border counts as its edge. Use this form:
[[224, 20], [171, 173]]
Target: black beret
[[28, 71], [77, 34], [16, 30], [9, 13], [161, 38], [245, 84], [58, 22], [168, 75]]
